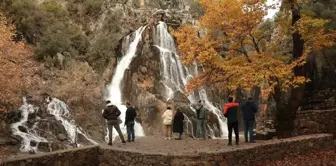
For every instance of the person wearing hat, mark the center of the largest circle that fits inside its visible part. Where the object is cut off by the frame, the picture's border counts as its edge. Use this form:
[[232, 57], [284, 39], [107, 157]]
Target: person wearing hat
[[111, 114]]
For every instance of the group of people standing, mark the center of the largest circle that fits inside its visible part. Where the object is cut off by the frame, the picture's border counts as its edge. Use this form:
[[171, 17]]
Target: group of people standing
[[174, 121], [112, 115]]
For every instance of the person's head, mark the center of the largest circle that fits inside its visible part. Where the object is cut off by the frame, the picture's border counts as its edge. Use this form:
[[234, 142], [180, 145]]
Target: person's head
[[108, 103], [168, 108], [128, 104], [230, 99], [249, 98]]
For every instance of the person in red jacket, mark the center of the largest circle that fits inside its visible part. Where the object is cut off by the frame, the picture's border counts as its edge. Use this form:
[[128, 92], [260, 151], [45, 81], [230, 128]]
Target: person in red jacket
[[231, 113]]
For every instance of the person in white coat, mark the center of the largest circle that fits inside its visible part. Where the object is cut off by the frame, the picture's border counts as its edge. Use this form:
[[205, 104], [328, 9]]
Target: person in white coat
[[167, 121]]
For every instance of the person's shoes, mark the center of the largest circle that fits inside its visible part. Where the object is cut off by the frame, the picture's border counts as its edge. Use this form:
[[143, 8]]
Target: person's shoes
[[230, 144], [123, 142], [110, 143]]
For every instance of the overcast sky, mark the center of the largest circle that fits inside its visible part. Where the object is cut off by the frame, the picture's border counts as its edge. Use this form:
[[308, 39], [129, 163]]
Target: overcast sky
[[272, 12]]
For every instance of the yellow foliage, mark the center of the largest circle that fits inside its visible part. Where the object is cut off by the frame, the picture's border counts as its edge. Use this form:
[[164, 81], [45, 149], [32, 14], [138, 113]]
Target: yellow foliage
[[249, 60]]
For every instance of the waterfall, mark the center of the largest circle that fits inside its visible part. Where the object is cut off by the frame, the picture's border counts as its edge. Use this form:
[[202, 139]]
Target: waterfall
[[60, 111], [172, 70], [114, 92], [31, 135], [176, 76], [203, 96], [56, 108]]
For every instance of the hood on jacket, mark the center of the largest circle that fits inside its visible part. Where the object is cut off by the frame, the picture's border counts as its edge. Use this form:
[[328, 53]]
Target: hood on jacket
[[109, 104]]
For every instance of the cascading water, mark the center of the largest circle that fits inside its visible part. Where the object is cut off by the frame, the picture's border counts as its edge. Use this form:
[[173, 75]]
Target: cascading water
[[114, 92], [175, 76], [30, 135], [61, 112], [203, 96]]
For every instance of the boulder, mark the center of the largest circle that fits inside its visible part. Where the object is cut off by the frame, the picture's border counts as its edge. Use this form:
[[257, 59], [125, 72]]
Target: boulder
[[33, 143], [178, 96], [23, 129], [14, 116], [61, 137], [143, 69]]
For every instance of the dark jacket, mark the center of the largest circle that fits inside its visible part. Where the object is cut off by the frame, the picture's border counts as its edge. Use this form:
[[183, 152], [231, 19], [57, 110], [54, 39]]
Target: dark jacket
[[130, 115], [111, 112], [249, 109], [178, 122], [231, 112]]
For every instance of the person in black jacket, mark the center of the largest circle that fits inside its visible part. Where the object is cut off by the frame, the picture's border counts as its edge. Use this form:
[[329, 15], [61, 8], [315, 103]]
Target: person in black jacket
[[111, 114], [178, 123], [129, 122], [249, 109]]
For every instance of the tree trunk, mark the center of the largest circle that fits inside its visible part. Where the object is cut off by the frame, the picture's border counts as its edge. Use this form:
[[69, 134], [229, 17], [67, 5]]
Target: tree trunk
[[286, 113]]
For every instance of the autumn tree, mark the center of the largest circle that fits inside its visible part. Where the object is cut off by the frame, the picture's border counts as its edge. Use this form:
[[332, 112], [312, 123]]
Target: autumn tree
[[12, 57], [236, 52]]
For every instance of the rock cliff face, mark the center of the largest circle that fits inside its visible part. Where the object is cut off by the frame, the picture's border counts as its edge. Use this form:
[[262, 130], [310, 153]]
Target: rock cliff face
[[83, 90]]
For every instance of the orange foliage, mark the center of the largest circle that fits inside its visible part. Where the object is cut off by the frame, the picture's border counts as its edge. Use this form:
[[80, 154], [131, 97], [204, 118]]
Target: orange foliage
[[12, 57], [227, 43]]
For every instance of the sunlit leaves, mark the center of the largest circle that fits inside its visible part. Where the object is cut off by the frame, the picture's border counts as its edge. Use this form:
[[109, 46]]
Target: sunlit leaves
[[238, 49]]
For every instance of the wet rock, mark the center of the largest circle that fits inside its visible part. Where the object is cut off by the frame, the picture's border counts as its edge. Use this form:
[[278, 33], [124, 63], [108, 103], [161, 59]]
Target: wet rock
[[14, 116], [33, 143], [3, 141], [180, 97], [61, 137], [23, 129], [44, 146]]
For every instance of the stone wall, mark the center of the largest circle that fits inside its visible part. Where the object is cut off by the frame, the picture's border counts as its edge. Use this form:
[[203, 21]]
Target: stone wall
[[86, 156], [317, 121], [270, 150], [245, 155]]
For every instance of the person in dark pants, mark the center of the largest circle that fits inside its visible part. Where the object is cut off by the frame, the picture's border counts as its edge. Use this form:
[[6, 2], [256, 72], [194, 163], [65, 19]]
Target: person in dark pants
[[249, 109], [178, 123], [231, 112], [111, 114], [129, 122], [201, 113]]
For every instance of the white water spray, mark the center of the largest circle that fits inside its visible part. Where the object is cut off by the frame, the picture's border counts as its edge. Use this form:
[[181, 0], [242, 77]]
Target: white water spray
[[61, 112], [114, 92], [175, 76], [30, 135]]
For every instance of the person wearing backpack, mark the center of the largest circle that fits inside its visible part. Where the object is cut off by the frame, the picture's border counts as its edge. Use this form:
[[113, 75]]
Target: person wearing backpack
[[111, 114], [201, 113]]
